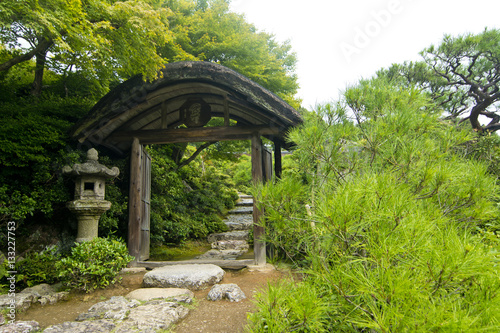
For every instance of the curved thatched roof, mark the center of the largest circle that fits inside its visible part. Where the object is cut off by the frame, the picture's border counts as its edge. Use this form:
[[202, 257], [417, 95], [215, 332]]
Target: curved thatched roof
[[136, 106]]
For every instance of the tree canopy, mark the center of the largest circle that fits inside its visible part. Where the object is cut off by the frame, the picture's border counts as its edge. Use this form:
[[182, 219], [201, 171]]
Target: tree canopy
[[104, 39], [462, 74], [109, 41]]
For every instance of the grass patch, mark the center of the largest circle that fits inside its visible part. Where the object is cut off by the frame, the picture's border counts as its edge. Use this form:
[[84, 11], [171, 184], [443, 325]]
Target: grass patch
[[171, 252]]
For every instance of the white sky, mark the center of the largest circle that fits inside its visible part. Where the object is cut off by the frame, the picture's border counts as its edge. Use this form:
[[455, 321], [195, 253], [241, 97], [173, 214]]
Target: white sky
[[339, 42]]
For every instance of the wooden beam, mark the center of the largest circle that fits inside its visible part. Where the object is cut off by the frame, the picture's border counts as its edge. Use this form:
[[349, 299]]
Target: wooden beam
[[200, 134], [259, 246], [226, 264], [164, 115], [134, 206], [226, 111]]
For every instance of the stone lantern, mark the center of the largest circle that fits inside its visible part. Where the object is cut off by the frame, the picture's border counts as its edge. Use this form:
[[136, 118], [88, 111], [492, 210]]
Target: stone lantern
[[89, 204]]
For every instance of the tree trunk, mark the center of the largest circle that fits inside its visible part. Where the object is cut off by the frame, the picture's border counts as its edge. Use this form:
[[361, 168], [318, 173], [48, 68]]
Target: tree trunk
[[41, 57]]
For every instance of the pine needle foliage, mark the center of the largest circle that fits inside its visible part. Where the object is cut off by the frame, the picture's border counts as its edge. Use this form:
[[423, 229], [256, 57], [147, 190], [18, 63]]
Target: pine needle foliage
[[401, 233]]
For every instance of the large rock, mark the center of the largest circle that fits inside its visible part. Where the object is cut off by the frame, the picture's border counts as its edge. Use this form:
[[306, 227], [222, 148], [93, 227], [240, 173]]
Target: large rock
[[147, 294], [228, 291], [193, 277]]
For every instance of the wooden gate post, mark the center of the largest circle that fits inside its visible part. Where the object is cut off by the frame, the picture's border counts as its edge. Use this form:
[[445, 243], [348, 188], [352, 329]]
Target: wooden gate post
[[277, 159], [259, 245], [135, 204]]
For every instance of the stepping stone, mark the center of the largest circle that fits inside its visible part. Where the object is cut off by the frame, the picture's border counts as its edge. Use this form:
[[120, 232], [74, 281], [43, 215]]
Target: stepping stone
[[221, 254], [244, 202], [153, 316], [94, 326], [231, 245], [192, 276], [242, 210], [20, 326], [231, 235], [243, 225], [147, 294], [120, 315], [228, 291]]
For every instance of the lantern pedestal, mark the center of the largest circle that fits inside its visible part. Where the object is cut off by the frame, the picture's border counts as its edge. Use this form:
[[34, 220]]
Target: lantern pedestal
[[88, 213]]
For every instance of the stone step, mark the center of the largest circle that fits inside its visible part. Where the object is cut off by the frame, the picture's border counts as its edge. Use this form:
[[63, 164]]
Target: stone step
[[239, 222], [244, 225], [221, 254], [230, 235], [244, 202], [242, 210], [192, 277], [240, 245]]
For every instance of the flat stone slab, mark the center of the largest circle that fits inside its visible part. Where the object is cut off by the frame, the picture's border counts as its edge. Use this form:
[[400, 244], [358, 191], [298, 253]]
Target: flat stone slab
[[215, 254], [231, 235], [94, 326], [193, 276], [239, 221], [242, 210], [229, 291], [147, 294], [121, 315], [153, 316], [116, 308], [239, 245], [20, 327], [245, 202]]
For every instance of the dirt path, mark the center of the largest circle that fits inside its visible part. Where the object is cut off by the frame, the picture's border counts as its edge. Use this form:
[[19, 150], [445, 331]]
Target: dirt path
[[206, 316]]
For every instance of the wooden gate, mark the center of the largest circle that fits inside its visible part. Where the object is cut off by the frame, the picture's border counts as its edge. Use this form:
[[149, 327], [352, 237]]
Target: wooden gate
[[146, 204]]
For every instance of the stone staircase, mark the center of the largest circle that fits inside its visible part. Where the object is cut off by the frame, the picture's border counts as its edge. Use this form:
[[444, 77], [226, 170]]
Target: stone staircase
[[234, 243]]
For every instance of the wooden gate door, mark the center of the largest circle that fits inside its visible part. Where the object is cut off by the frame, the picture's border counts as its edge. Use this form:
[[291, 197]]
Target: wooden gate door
[[145, 204]]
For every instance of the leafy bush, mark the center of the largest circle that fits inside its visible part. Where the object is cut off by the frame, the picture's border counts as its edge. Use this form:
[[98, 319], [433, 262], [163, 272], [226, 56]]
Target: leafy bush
[[288, 307], [93, 264], [32, 153], [37, 267]]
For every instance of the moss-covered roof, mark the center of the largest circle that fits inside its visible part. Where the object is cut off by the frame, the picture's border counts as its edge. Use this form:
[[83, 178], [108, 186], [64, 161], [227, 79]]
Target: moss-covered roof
[[136, 105]]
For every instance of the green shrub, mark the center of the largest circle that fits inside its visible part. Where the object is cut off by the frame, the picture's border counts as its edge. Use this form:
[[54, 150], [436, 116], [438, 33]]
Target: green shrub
[[37, 267], [402, 230], [189, 202], [288, 307], [93, 264]]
